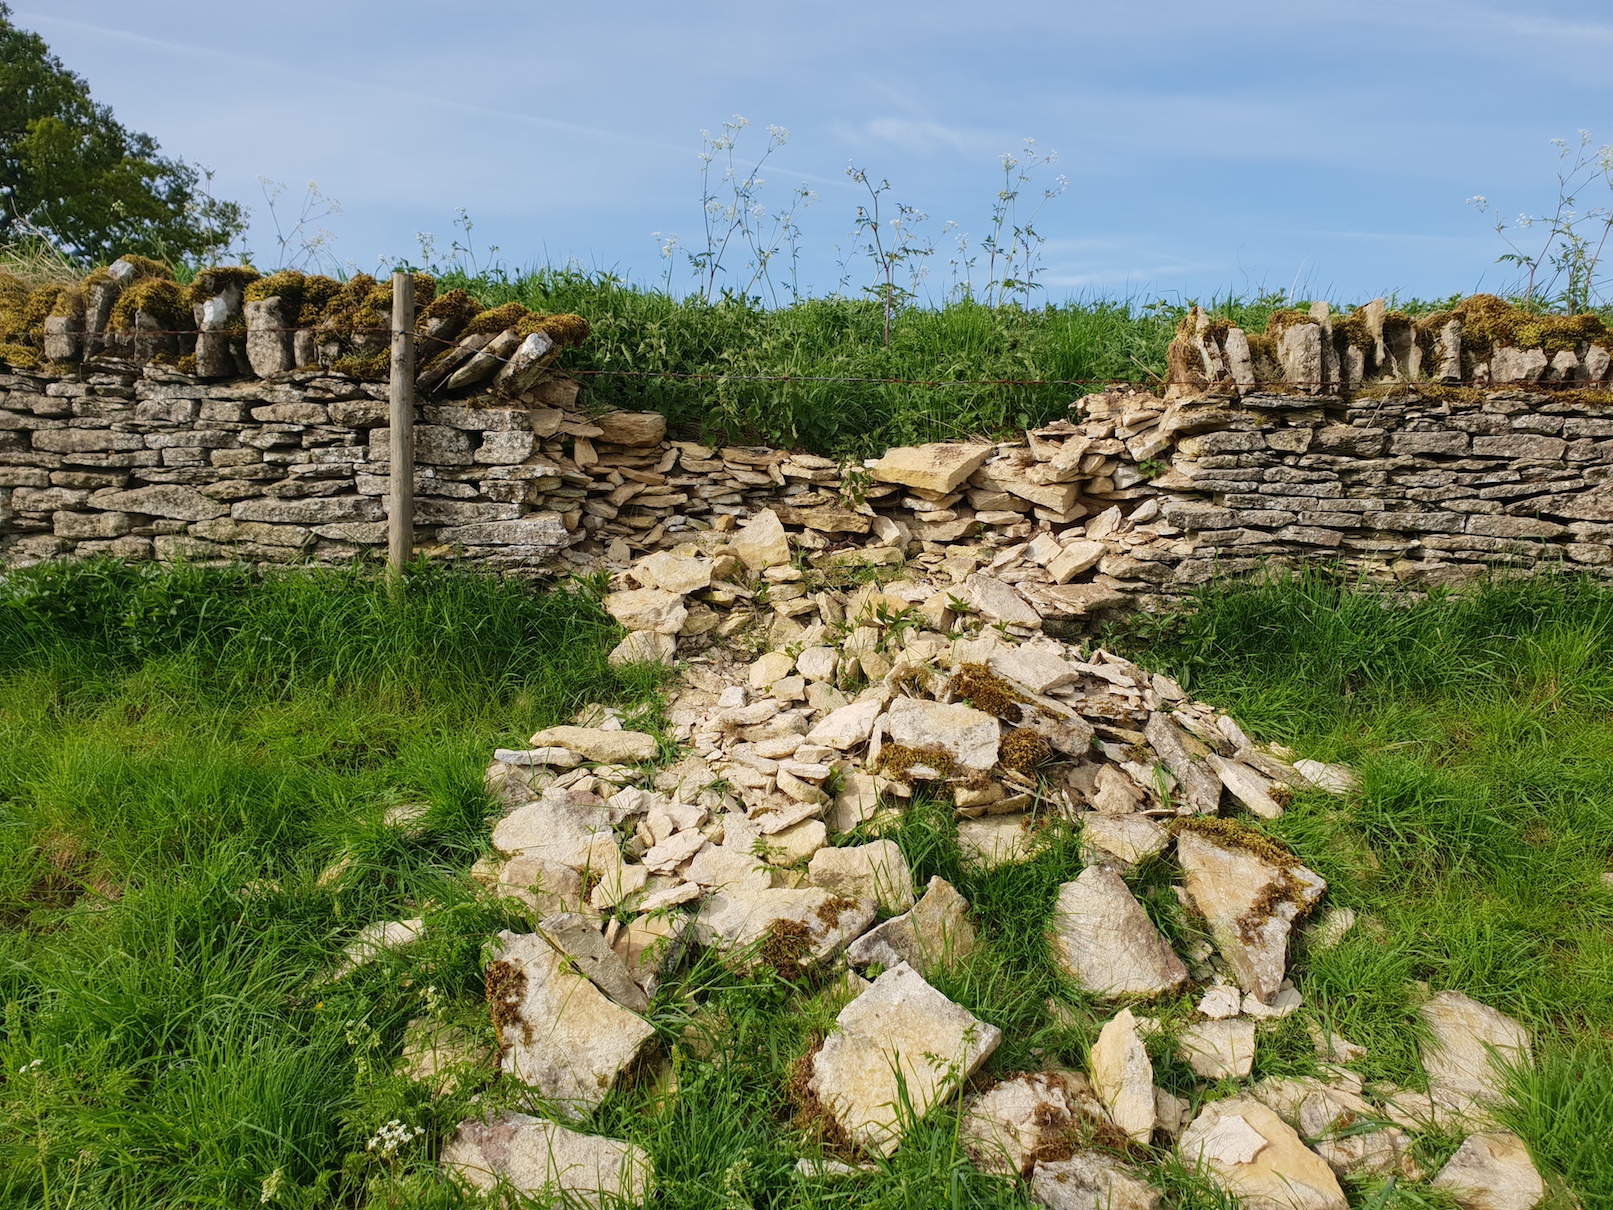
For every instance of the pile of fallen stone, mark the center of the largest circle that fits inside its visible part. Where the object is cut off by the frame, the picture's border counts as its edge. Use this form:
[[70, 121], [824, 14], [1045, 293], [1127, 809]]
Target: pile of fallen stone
[[625, 860]]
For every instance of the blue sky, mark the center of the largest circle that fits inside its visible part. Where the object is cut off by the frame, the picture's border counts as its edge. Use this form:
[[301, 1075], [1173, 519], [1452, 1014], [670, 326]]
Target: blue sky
[[1209, 147]]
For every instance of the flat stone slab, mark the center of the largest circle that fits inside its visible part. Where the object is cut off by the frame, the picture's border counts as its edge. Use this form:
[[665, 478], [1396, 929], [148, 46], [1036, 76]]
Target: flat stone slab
[[542, 1158], [597, 744], [1004, 1128], [558, 1032], [803, 927], [1220, 1049], [938, 467], [967, 735], [1123, 1076], [1104, 940], [900, 1024], [876, 871], [1090, 1180]]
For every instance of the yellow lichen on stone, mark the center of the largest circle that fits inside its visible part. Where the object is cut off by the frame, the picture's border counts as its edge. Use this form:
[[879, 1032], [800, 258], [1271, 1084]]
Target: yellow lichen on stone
[[160, 298]]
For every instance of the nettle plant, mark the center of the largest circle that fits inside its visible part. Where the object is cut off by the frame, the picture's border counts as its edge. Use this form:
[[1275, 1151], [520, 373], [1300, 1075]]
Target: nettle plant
[[1560, 253]]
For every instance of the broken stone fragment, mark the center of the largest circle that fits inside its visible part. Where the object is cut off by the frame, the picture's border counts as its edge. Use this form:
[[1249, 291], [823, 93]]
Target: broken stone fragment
[[1123, 840], [373, 940], [644, 647], [997, 840], [1090, 1180], [607, 747], [1492, 1172], [998, 601], [543, 886], [935, 935], [1258, 1158], [537, 1158], [650, 946], [1251, 902], [562, 832], [1373, 1153], [1005, 1128], [1123, 1077], [1219, 1049], [1335, 779], [1470, 1046], [558, 1032], [438, 1055], [900, 1036], [671, 572], [1252, 790], [848, 727], [580, 941], [786, 928], [876, 871], [1103, 939]]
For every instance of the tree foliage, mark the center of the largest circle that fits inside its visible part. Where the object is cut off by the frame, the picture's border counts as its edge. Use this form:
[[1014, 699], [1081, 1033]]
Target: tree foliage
[[71, 172]]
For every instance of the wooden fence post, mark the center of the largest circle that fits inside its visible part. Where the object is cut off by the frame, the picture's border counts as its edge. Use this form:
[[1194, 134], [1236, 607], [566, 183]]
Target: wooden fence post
[[400, 524]]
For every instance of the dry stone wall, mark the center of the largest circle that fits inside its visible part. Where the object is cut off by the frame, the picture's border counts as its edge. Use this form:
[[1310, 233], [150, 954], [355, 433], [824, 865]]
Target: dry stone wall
[[1130, 497]]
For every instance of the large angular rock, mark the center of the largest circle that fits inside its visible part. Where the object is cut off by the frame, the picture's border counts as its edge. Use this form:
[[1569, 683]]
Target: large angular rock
[[935, 935], [607, 747], [1122, 840], [542, 1159], [1037, 668], [1123, 1077], [1005, 1128], [1252, 790], [876, 871], [543, 886], [940, 467], [648, 609], [1090, 1180], [762, 543], [269, 337], [967, 735], [789, 928], [1492, 1172], [558, 1032], [632, 428], [1251, 901], [1466, 1055], [899, 1026], [1258, 1158], [1104, 940]]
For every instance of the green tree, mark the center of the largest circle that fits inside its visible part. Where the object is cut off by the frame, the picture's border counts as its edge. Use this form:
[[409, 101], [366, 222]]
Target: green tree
[[70, 171]]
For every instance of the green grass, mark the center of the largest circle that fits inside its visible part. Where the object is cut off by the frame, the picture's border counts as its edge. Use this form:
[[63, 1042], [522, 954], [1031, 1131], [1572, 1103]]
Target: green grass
[[183, 752], [1482, 728], [727, 359]]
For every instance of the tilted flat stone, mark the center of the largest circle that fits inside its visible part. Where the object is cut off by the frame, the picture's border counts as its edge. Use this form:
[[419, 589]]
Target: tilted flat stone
[[1252, 790], [1251, 903], [939, 467], [899, 1024], [1090, 1180], [560, 832], [967, 735], [761, 542], [1038, 669], [1104, 940], [809, 925], [1004, 1128], [848, 727], [580, 940], [544, 886], [540, 1158], [1185, 757], [1466, 1056], [1121, 839], [876, 871], [607, 747], [558, 1032], [632, 428], [999, 601], [1123, 1076], [1492, 1172], [935, 935], [643, 647], [1258, 1158]]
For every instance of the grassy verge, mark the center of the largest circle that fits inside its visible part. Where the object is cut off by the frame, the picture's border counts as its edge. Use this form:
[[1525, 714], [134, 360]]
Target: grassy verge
[[181, 754], [1482, 728]]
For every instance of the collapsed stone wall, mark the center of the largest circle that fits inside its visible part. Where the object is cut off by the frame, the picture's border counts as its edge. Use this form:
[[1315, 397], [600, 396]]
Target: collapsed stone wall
[[1131, 497]]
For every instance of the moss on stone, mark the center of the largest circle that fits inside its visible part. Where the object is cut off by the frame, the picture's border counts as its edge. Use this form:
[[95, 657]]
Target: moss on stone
[[216, 279], [14, 294], [162, 299], [897, 761], [1288, 317], [987, 691], [496, 319], [317, 293], [372, 366], [1023, 751], [1239, 836], [19, 357], [285, 285]]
